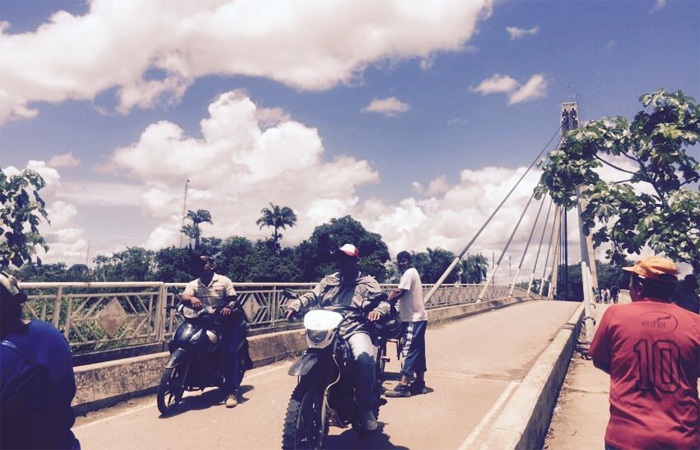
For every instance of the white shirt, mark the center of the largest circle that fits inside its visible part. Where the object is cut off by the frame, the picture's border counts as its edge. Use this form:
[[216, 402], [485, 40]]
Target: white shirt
[[411, 305]]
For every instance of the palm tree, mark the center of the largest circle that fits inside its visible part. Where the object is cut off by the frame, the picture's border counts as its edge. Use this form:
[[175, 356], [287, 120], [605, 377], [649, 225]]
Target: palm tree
[[193, 231], [474, 269], [277, 218]]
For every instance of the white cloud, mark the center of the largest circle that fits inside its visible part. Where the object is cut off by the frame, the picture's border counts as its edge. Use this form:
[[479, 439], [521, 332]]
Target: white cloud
[[534, 88], [151, 52], [496, 84], [65, 160], [389, 106], [610, 45], [438, 186], [658, 6], [517, 33]]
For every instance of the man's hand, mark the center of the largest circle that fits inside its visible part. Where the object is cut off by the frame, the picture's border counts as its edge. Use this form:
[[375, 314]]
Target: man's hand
[[195, 302], [289, 313], [374, 315], [225, 311]]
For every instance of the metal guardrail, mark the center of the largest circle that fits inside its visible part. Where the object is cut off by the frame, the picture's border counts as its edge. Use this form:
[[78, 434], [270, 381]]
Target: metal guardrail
[[110, 315]]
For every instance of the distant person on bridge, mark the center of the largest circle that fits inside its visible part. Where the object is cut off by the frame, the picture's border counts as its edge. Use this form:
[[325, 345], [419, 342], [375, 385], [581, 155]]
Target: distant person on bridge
[[348, 288], [414, 322], [37, 384], [209, 290], [614, 293], [651, 350], [686, 294]]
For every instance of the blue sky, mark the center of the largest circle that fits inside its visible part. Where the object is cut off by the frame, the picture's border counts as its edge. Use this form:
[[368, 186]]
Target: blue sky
[[413, 117]]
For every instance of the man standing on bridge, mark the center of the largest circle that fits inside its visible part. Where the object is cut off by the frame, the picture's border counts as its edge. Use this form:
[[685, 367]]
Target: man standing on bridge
[[414, 322], [651, 350]]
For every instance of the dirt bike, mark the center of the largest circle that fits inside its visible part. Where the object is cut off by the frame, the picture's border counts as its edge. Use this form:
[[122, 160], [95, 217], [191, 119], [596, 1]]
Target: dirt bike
[[196, 354], [325, 393]]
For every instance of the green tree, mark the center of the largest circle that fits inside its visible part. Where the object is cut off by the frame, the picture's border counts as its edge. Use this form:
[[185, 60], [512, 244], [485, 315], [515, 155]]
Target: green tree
[[44, 272], [234, 258], [658, 205], [173, 265], [193, 231], [132, 264], [440, 260], [474, 269], [78, 272], [277, 217], [21, 210], [610, 275], [317, 253]]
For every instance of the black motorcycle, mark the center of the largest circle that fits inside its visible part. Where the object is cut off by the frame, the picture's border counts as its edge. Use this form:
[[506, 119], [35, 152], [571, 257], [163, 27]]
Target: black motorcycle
[[325, 393], [196, 354]]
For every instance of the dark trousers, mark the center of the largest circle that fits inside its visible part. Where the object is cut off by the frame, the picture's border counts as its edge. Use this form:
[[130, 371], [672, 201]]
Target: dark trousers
[[233, 334]]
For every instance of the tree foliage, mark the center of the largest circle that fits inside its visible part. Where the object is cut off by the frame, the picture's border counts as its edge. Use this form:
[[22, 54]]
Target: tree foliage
[[193, 230], [658, 204], [327, 238], [474, 269], [21, 211], [277, 217]]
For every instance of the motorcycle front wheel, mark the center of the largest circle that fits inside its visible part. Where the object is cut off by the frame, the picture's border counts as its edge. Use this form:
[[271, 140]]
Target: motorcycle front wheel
[[303, 424], [170, 389]]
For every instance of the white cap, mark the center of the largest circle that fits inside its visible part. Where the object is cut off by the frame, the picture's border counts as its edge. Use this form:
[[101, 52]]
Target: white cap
[[350, 250]]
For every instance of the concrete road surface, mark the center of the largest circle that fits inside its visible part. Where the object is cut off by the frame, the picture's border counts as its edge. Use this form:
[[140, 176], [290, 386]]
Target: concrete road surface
[[474, 365]]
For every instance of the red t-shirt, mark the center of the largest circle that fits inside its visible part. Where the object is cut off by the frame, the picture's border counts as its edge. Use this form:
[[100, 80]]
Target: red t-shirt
[[651, 349]]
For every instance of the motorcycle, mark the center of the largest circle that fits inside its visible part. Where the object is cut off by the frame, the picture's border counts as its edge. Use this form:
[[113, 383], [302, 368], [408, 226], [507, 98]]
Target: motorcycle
[[388, 330], [196, 354], [325, 393]]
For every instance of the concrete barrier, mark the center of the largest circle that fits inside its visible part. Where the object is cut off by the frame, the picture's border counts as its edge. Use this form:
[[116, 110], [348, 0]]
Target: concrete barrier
[[107, 383], [524, 420]]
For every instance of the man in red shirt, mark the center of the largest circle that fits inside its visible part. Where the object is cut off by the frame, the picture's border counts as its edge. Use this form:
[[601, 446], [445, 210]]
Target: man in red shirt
[[651, 350]]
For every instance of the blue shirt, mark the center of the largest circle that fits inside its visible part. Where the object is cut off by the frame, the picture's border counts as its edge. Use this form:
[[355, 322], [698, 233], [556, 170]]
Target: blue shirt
[[37, 386]]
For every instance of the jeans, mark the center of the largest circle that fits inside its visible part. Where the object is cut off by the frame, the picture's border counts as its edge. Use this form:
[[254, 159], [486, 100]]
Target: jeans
[[364, 353]]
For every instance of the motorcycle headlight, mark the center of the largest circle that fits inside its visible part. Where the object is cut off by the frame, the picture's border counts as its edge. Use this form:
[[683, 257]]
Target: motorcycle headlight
[[316, 336]]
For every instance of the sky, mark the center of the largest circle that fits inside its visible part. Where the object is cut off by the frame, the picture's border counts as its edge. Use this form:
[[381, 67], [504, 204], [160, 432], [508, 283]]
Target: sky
[[416, 118]]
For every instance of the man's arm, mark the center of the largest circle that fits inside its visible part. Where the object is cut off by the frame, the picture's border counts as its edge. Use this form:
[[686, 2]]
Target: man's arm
[[304, 300], [189, 297], [396, 295], [600, 346]]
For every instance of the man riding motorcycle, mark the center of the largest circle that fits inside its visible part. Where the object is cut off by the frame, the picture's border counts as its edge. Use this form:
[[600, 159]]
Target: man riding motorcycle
[[209, 290], [349, 289]]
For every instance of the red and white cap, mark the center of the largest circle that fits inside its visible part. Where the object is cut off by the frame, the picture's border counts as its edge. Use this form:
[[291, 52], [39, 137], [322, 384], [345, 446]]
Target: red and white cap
[[350, 250]]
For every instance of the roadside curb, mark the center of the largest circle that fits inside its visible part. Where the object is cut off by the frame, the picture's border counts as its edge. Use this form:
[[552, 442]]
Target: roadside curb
[[524, 420]]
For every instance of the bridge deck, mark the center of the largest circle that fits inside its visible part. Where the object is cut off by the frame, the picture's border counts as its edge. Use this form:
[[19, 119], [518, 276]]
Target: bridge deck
[[474, 366]]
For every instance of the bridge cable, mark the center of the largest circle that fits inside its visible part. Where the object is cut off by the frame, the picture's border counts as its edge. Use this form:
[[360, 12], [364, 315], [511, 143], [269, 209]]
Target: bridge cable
[[527, 246], [505, 248], [549, 246], [539, 247], [553, 285], [459, 257]]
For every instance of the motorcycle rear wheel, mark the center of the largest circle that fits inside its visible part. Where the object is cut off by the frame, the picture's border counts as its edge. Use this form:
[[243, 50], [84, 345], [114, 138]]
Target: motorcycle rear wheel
[[303, 424], [170, 389], [381, 361]]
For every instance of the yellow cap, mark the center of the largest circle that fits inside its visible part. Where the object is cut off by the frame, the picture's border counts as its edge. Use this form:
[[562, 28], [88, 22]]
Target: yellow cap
[[655, 268]]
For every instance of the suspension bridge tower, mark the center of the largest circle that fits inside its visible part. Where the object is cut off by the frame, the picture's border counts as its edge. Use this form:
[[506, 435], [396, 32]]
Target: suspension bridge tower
[[570, 121]]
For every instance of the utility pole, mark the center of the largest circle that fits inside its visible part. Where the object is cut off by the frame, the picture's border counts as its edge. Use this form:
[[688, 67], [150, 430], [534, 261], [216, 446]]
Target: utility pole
[[184, 210]]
